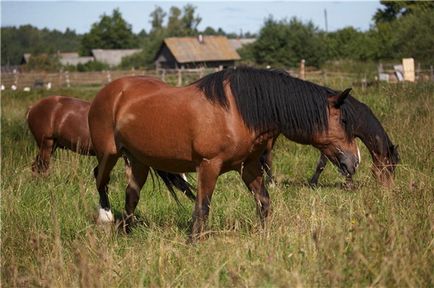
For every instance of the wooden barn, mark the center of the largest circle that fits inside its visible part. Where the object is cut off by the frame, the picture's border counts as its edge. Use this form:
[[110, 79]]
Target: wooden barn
[[196, 52]]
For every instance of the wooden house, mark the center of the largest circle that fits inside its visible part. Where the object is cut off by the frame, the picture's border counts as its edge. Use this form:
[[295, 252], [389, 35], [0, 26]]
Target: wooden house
[[196, 52]]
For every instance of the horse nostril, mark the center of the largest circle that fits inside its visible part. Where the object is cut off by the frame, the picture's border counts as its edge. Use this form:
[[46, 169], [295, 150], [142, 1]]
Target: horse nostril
[[344, 168]]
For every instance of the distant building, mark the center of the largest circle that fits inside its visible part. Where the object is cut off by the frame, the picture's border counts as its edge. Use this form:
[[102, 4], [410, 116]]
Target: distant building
[[72, 58], [65, 58], [112, 57], [193, 52], [240, 42]]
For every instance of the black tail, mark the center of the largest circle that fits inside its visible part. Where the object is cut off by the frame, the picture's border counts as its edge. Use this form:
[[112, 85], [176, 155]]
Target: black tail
[[176, 180]]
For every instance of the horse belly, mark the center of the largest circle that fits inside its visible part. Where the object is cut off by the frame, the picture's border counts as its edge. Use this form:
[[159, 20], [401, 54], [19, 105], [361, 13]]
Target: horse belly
[[160, 142]]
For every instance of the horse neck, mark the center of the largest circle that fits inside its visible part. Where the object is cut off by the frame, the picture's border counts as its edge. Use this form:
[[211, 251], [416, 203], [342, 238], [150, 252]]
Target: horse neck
[[372, 134]]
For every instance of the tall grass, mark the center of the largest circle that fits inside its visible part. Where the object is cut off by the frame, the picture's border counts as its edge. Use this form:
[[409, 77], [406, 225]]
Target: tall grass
[[327, 236]]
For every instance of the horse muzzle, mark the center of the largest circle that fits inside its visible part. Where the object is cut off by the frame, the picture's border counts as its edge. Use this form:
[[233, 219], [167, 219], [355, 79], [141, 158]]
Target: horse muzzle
[[347, 164]]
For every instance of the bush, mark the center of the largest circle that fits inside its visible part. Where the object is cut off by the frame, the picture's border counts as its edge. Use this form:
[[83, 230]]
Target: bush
[[44, 62], [92, 66]]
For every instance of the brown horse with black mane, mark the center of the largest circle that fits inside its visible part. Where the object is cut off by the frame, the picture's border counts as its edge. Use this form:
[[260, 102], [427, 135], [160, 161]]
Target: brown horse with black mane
[[62, 122], [367, 127], [221, 122]]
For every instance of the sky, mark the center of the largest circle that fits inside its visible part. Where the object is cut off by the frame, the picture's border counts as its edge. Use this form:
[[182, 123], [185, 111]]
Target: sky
[[245, 16]]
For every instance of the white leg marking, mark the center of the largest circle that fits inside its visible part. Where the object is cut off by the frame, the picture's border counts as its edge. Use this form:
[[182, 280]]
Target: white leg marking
[[184, 177], [105, 216], [358, 155]]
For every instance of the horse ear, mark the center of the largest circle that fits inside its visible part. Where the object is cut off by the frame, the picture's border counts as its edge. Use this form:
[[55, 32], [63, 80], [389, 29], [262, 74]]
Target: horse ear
[[342, 97]]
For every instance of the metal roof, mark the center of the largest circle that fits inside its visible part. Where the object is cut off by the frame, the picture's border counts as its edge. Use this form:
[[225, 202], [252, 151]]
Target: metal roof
[[240, 42], [201, 49]]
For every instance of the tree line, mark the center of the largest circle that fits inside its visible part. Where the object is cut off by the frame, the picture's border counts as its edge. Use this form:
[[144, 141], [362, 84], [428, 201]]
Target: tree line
[[400, 29]]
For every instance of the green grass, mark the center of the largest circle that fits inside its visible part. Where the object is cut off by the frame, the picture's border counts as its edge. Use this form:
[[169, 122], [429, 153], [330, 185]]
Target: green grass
[[369, 236]]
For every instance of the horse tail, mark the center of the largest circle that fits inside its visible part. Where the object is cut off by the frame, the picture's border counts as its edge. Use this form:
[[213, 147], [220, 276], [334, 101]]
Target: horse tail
[[177, 181]]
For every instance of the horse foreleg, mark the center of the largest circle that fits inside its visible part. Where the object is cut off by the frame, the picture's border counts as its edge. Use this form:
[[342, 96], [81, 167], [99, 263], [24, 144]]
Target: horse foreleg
[[253, 178], [322, 162], [208, 171], [137, 174], [102, 176], [42, 161]]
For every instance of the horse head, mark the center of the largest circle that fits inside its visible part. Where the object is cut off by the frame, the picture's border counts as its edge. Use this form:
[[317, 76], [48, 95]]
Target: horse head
[[337, 142]]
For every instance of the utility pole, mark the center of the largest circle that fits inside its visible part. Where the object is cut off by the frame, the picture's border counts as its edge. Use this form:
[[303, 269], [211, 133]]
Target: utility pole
[[326, 22]]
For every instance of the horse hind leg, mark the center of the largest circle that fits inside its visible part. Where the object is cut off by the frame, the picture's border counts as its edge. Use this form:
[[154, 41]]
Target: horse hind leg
[[137, 174], [102, 176], [42, 161]]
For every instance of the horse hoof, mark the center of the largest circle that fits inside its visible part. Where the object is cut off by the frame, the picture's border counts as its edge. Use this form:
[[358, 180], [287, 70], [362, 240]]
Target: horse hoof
[[313, 185], [348, 186], [105, 216]]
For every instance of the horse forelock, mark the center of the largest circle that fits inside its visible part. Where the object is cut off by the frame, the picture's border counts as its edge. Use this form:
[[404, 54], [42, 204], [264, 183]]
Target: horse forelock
[[271, 98]]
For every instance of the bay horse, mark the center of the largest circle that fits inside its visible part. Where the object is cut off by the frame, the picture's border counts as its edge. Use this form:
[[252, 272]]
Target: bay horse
[[221, 122], [368, 129], [62, 122]]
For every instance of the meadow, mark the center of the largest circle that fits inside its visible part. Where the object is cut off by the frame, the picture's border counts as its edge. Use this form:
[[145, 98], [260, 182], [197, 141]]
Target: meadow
[[323, 237]]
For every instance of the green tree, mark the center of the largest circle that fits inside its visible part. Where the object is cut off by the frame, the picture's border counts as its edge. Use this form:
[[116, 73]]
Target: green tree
[[392, 10], [175, 25], [284, 43], [190, 20], [28, 39], [157, 19], [348, 43], [111, 32]]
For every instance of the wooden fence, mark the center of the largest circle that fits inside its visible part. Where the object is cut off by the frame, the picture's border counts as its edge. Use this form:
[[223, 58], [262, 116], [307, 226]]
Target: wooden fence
[[174, 77]]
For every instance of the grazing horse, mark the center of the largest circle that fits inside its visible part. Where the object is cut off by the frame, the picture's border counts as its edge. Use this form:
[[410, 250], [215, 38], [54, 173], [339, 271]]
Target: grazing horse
[[219, 123], [384, 153], [61, 122]]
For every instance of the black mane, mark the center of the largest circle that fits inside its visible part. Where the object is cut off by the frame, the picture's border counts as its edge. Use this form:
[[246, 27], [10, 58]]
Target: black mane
[[270, 99]]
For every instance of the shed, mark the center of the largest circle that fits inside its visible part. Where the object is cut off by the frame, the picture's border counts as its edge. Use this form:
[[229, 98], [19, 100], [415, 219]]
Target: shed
[[112, 57], [72, 58], [194, 52]]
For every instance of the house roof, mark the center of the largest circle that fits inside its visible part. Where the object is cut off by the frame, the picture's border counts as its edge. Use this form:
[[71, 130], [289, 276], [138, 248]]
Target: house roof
[[112, 57], [191, 49]]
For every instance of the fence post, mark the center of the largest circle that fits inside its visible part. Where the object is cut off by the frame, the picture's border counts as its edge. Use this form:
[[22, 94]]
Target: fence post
[[109, 76], [302, 70], [364, 83], [68, 82], [179, 77], [432, 73], [16, 78], [163, 75]]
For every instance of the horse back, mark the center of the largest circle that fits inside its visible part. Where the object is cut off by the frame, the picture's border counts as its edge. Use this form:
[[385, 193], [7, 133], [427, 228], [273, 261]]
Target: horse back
[[156, 122]]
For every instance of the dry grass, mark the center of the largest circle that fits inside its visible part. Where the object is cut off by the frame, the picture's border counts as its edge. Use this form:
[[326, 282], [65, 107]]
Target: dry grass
[[323, 237]]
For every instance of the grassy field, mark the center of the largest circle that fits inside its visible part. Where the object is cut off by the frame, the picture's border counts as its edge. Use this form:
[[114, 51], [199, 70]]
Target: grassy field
[[327, 236]]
